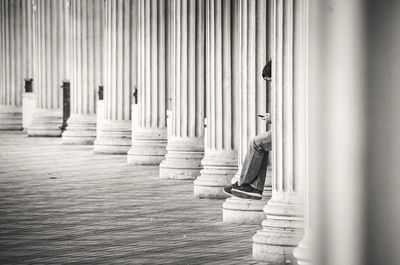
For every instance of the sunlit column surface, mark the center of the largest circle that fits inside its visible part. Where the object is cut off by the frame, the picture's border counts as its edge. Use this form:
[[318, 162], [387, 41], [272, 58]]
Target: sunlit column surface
[[186, 144], [344, 61], [87, 69], [306, 251], [15, 59], [51, 59], [120, 68], [283, 226], [149, 138], [220, 160], [254, 43]]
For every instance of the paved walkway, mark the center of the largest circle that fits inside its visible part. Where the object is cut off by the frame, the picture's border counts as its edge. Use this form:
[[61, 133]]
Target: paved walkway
[[63, 204]]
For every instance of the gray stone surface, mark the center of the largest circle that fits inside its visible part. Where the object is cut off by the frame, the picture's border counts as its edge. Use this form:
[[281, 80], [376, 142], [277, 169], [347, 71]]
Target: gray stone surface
[[64, 204]]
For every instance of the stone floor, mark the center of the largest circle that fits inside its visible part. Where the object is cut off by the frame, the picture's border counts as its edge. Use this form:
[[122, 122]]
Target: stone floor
[[64, 204]]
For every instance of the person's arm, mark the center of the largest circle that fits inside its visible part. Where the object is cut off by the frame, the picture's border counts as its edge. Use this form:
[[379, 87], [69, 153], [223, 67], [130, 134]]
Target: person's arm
[[265, 117]]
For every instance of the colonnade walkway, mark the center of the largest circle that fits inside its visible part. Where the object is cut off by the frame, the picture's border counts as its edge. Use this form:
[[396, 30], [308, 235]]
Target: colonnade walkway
[[65, 204]]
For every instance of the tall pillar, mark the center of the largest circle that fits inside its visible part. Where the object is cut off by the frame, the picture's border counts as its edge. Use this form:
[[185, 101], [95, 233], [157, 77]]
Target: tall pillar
[[357, 50], [186, 144], [305, 251], [254, 54], [15, 59], [149, 138], [119, 77], [283, 226], [51, 59], [220, 160], [87, 68]]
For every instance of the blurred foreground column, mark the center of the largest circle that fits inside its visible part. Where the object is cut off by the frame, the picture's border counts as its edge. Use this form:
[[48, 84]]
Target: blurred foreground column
[[342, 208], [361, 214], [149, 138], [306, 252], [186, 144], [220, 160], [87, 69], [114, 135], [253, 100], [283, 226]]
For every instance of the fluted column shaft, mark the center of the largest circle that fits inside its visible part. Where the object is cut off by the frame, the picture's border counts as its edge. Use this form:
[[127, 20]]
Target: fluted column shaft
[[149, 137], [282, 228], [254, 91], [186, 145], [15, 59], [87, 69], [305, 252], [119, 76], [51, 64], [220, 161]]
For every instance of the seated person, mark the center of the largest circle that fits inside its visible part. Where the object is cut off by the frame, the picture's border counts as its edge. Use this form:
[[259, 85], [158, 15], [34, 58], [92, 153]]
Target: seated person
[[254, 169]]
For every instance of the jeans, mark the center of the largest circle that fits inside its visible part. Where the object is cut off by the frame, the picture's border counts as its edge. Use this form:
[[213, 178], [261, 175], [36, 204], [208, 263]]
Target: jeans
[[254, 169]]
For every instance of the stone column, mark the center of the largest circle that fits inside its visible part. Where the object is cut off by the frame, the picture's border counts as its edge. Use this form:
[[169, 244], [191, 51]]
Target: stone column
[[283, 226], [15, 59], [86, 74], [119, 76], [51, 59], [186, 144], [220, 160], [254, 92], [28, 98], [305, 251], [149, 138]]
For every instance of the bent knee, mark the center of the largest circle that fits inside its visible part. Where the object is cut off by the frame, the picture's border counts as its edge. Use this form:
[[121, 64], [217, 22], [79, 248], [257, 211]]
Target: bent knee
[[255, 144], [261, 143]]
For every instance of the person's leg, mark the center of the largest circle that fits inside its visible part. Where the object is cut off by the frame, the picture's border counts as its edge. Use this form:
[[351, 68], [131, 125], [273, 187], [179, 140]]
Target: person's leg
[[255, 162], [259, 181]]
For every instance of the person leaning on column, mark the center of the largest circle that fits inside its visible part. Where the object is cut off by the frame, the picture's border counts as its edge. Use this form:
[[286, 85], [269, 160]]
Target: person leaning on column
[[254, 169]]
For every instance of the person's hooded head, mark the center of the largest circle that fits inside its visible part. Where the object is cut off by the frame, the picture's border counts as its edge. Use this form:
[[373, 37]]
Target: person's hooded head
[[267, 71]]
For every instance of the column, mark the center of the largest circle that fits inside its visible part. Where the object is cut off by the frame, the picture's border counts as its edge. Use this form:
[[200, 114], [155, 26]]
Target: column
[[119, 77], [186, 144], [220, 160], [86, 74], [305, 252], [149, 138], [358, 51], [51, 64], [15, 59], [28, 98], [254, 99], [283, 227]]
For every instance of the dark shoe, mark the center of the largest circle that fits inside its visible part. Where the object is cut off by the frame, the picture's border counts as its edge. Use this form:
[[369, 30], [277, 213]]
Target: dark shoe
[[247, 192], [228, 189]]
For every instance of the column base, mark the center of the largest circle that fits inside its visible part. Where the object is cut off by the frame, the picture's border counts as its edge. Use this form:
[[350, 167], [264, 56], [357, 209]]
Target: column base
[[281, 233], [183, 160], [81, 129], [99, 115], [219, 167], [304, 253], [114, 137], [28, 108], [241, 211], [148, 146], [46, 123], [10, 118]]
